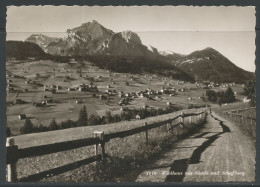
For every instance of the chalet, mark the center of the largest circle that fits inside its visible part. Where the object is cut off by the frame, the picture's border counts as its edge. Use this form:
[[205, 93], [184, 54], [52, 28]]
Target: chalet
[[79, 101], [18, 101], [246, 100], [22, 116], [137, 117], [58, 87], [82, 89], [169, 103], [190, 98]]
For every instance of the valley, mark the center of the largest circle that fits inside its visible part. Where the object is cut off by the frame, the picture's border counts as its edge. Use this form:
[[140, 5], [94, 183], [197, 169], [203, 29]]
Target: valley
[[32, 81]]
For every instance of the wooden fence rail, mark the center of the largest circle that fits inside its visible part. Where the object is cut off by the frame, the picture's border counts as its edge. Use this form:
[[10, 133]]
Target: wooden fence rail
[[14, 153], [234, 113]]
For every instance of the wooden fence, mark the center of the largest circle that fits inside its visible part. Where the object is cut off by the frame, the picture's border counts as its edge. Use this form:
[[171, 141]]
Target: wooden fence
[[14, 153], [235, 113]]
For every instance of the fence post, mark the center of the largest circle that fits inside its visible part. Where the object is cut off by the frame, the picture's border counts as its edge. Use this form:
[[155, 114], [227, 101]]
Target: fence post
[[100, 136], [11, 168], [146, 132]]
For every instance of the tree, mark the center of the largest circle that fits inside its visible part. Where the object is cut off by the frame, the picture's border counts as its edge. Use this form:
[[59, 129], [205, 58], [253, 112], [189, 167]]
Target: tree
[[83, 117], [249, 91], [94, 120], [229, 95], [8, 132], [27, 127], [53, 125]]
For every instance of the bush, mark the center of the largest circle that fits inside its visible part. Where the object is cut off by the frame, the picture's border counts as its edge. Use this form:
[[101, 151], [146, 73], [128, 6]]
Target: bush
[[27, 128], [94, 120], [53, 125], [8, 132]]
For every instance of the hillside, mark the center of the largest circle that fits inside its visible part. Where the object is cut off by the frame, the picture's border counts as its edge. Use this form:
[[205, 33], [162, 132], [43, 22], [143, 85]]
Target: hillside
[[21, 50], [209, 64], [42, 40]]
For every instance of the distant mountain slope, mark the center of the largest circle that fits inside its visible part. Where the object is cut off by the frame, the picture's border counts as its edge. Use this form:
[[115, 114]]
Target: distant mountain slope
[[209, 64], [19, 49], [42, 40]]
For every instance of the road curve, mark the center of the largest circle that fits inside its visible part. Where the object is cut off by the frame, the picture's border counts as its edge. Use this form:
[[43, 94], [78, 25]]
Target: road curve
[[219, 152]]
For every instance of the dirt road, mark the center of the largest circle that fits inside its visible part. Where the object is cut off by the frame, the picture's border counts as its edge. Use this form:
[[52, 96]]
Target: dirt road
[[218, 153]]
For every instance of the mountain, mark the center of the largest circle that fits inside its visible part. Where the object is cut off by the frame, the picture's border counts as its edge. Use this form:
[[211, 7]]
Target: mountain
[[209, 64], [92, 38], [42, 40], [21, 50]]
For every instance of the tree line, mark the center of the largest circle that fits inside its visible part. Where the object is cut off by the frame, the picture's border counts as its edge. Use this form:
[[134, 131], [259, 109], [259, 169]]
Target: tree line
[[94, 119], [220, 97]]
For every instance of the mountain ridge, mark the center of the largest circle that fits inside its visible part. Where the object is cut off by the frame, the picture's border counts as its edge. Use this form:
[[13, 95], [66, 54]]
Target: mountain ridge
[[92, 38]]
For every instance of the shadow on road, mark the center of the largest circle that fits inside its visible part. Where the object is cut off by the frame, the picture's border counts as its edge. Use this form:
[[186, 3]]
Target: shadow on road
[[180, 166]]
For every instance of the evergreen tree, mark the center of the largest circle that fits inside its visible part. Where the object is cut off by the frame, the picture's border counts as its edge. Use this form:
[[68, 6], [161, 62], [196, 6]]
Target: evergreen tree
[[8, 132], [53, 125], [27, 127], [229, 95], [83, 117]]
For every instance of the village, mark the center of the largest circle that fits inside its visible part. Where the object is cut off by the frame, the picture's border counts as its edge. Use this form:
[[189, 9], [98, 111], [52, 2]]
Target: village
[[43, 90]]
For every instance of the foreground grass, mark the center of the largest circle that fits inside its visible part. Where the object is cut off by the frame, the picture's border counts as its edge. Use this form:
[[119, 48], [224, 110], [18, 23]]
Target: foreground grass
[[119, 149], [128, 154]]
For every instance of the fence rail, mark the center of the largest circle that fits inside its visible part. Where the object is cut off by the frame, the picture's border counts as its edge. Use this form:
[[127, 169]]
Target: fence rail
[[14, 153], [234, 113]]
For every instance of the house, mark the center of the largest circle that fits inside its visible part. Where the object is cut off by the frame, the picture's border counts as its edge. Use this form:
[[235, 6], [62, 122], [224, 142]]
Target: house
[[190, 98], [137, 117], [18, 101], [145, 106], [79, 101], [246, 100], [22, 116], [58, 88], [169, 103]]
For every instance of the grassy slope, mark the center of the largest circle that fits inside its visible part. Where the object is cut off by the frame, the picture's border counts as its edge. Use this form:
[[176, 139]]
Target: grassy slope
[[125, 150]]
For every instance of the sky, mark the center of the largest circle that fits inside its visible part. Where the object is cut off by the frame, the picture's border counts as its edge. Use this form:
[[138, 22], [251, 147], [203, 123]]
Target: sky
[[181, 29]]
